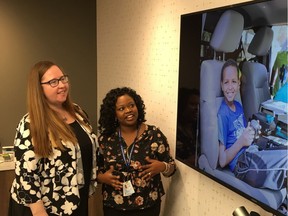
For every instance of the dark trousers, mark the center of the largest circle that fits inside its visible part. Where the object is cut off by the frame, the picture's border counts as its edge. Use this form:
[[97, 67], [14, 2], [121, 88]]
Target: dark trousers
[[152, 211], [18, 210]]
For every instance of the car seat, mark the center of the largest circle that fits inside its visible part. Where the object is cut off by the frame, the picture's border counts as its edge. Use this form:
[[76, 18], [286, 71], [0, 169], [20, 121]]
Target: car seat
[[225, 38], [254, 80]]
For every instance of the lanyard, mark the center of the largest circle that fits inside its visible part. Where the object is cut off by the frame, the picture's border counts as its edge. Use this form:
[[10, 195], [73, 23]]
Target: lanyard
[[127, 160]]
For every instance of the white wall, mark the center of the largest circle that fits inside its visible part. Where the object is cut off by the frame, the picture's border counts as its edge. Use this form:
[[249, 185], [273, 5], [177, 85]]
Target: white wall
[[138, 46]]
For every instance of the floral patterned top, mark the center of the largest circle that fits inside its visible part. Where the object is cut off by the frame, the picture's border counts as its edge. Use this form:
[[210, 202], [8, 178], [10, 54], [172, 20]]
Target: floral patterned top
[[152, 143], [55, 180]]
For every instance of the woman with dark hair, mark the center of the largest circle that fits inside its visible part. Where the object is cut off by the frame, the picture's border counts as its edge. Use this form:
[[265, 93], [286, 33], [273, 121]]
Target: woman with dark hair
[[134, 155]]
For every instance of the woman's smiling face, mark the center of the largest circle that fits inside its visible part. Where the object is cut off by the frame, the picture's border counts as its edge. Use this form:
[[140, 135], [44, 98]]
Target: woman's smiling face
[[126, 111], [55, 95]]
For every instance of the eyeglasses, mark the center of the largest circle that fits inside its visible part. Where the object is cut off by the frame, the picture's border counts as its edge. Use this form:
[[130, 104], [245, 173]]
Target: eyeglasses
[[55, 82]]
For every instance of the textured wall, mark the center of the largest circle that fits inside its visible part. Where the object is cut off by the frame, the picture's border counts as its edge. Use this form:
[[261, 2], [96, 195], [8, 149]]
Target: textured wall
[[138, 46]]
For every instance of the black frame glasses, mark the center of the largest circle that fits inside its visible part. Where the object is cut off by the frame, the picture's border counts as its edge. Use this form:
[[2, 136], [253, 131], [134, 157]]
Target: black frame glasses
[[55, 82]]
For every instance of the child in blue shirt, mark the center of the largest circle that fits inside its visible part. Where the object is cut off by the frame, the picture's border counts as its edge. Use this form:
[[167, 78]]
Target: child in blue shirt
[[263, 169]]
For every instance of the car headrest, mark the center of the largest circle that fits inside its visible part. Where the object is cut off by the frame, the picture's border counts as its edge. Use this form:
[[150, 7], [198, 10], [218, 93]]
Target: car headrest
[[255, 73], [228, 32], [261, 42]]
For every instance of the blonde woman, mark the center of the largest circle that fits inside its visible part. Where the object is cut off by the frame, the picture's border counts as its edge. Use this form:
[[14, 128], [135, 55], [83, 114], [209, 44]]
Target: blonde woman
[[52, 176]]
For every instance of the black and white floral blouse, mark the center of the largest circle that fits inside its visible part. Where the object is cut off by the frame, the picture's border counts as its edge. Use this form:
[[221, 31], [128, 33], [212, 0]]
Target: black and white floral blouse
[[152, 143], [55, 180]]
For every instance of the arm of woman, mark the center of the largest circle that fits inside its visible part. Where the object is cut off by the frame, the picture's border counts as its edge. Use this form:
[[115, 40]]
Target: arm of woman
[[38, 209], [110, 179], [163, 163], [165, 155], [105, 176], [26, 186]]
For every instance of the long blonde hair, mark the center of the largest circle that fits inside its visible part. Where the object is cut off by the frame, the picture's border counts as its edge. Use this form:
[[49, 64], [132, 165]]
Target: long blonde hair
[[46, 127]]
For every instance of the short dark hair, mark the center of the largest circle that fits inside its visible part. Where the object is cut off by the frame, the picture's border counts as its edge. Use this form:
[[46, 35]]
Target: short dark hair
[[107, 123]]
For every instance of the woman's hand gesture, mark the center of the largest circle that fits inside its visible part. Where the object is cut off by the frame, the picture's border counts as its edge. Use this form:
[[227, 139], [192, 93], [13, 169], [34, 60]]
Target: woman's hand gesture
[[110, 179], [151, 169]]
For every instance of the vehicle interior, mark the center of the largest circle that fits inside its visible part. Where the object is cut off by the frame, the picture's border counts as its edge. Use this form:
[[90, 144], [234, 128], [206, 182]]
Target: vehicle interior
[[254, 35]]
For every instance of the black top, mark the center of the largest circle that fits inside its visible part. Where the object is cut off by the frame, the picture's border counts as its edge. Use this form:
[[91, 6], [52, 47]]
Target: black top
[[86, 155]]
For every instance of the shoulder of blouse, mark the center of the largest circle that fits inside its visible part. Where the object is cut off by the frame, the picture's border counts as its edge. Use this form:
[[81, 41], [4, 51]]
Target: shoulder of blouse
[[80, 113], [76, 106], [154, 128], [103, 138], [79, 109], [150, 127], [156, 131], [106, 136], [25, 119]]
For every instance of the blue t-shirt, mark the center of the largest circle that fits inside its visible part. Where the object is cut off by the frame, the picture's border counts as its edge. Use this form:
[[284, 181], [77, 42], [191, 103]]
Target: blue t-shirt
[[230, 126]]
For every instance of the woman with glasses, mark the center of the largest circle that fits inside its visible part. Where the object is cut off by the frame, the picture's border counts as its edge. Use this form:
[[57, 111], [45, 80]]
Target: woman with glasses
[[55, 149]]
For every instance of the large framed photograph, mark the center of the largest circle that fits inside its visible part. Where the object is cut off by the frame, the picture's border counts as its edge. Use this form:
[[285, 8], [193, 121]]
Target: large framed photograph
[[254, 35]]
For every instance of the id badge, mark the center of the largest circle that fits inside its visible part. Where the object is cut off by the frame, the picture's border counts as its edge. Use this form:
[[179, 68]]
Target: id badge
[[128, 188]]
